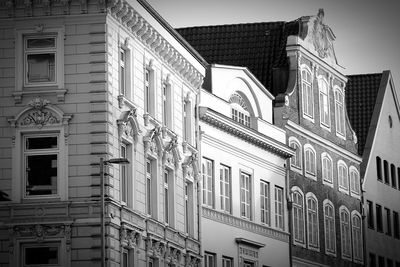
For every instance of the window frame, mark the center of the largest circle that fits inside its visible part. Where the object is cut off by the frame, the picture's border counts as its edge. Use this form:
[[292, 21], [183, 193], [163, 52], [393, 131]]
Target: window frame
[[357, 245], [209, 256], [312, 197], [279, 208], [324, 96], [246, 199], [326, 157], [265, 200], [345, 234], [224, 183], [343, 177], [332, 232], [357, 190], [379, 173], [307, 92], [208, 190], [298, 155], [310, 173], [189, 207], [339, 112], [149, 97], [166, 93], [379, 219], [298, 208]]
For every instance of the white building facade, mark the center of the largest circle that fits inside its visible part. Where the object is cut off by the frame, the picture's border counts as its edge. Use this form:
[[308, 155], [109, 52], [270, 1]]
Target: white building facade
[[245, 219], [84, 80]]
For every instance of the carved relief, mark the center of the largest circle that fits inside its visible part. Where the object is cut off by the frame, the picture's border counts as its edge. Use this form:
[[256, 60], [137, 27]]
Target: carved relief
[[129, 125], [171, 154], [41, 232], [190, 166], [153, 142], [130, 238], [321, 35]]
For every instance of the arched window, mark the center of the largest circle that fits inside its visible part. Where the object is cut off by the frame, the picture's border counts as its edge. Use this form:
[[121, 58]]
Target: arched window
[[298, 216], [295, 160], [309, 155], [339, 112], [329, 223], [327, 168], [345, 232], [357, 236], [239, 110], [354, 181], [324, 109], [307, 92], [312, 221], [343, 178]]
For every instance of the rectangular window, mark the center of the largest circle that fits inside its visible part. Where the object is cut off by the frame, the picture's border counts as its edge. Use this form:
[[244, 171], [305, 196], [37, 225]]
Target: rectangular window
[[227, 262], [166, 196], [127, 258], [187, 125], [124, 175], [386, 171], [388, 222], [398, 177], [307, 91], [379, 168], [393, 175], [339, 113], [122, 71], [189, 213], [324, 103], [209, 259], [265, 203], [208, 182], [372, 260], [396, 225], [379, 224], [245, 195], [149, 94], [41, 165], [279, 207], [225, 188], [370, 214], [149, 177], [43, 255], [389, 263], [167, 103]]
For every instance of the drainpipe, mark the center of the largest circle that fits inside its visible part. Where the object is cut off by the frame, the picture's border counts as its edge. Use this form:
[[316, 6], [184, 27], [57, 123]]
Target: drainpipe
[[289, 207]]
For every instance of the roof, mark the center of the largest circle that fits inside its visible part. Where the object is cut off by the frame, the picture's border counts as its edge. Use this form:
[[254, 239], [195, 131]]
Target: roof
[[260, 47], [361, 94]]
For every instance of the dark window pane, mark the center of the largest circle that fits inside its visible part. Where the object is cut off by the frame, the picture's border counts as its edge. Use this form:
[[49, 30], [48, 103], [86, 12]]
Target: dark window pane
[[41, 67], [41, 142], [41, 43], [41, 175], [41, 255]]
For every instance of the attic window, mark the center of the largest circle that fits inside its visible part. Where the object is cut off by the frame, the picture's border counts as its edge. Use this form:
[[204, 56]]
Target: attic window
[[239, 110], [390, 121]]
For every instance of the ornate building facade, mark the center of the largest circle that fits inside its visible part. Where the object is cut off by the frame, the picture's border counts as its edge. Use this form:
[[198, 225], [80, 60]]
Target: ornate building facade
[[85, 80]]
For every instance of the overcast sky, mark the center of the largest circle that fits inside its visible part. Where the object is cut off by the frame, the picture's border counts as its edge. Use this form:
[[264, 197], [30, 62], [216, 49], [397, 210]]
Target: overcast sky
[[367, 31]]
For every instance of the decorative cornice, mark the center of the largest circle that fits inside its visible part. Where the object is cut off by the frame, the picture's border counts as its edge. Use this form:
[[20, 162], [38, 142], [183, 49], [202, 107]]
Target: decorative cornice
[[228, 219], [217, 120]]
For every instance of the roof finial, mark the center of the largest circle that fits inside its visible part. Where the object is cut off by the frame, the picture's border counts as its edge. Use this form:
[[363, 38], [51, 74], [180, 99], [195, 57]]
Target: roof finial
[[321, 14]]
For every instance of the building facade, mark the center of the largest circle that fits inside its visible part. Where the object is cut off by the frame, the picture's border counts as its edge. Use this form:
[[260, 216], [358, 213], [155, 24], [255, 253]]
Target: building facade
[[377, 123], [296, 61], [244, 216], [87, 80]]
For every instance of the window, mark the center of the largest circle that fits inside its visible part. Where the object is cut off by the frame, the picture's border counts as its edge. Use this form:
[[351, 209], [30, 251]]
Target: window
[[354, 181], [307, 91], [312, 221], [345, 232], [309, 160], [41, 255], [372, 260], [149, 186], [295, 160], [124, 175], [245, 195], [227, 262], [187, 125], [396, 225], [279, 207], [379, 224], [381, 261], [370, 214], [189, 213], [398, 177], [379, 168], [122, 71], [393, 175], [208, 182], [167, 181], [239, 110], [298, 216], [327, 168], [127, 259], [209, 259], [343, 178], [41, 153], [149, 94], [265, 203], [386, 171], [329, 223], [324, 102], [389, 263], [388, 222], [167, 103], [339, 113], [225, 188]]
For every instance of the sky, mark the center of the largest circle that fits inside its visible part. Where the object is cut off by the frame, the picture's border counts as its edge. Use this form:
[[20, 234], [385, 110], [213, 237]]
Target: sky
[[367, 31]]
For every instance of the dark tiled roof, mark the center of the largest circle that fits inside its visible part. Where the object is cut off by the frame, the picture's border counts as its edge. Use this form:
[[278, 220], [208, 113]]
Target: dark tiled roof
[[260, 47], [361, 93]]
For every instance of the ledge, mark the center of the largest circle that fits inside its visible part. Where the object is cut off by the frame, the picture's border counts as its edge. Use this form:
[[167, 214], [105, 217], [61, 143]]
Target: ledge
[[18, 95]]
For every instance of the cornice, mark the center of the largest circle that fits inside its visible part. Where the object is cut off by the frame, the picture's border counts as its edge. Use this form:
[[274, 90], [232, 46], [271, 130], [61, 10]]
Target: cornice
[[225, 124]]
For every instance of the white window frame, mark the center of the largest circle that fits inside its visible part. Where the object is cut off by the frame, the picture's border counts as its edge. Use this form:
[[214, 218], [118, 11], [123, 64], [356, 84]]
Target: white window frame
[[326, 172], [125, 71], [208, 182], [308, 170], [298, 156], [279, 210], [339, 113], [169, 196], [151, 187], [299, 231], [324, 103], [149, 97], [265, 202], [345, 232], [357, 242], [355, 187], [124, 174], [330, 234], [187, 126], [245, 195], [240, 111], [343, 180], [312, 222], [209, 259], [227, 261], [189, 207], [225, 183], [166, 92], [307, 92]]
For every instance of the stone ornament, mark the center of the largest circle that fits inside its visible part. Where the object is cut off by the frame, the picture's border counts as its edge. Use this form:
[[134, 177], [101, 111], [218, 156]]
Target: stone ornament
[[322, 36], [40, 116]]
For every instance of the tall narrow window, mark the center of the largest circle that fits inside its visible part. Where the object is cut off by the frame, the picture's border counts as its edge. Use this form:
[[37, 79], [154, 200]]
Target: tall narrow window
[[329, 222], [386, 171], [147, 95], [188, 191], [370, 214], [187, 127], [122, 71], [343, 178], [265, 203], [354, 181], [309, 160], [279, 207], [307, 91], [225, 188], [227, 262], [357, 238], [388, 221], [379, 223], [208, 182], [339, 113], [396, 230], [393, 175], [209, 259], [149, 174], [372, 260], [298, 217], [295, 160], [324, 103], [345, 233], [379, 168], [327, 168], [245, 195], [167, 104], [312, 221], [166, 196], [124, 175]]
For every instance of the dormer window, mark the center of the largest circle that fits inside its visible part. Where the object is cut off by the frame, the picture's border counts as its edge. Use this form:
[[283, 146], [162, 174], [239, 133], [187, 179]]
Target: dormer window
[[239, 110]]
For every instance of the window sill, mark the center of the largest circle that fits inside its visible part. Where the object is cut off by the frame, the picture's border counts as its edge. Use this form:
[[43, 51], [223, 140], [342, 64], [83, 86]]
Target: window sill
[[60, 93], [327, 183], [344, 190], [313, 248], [333, 254], [341, 136], [307, 117], [296, 169], [298, 243], [311, 176], [150, 119], [325, 127], [122, 101]]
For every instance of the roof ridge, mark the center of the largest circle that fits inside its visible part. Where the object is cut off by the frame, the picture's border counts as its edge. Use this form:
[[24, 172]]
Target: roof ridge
[[233, 24]]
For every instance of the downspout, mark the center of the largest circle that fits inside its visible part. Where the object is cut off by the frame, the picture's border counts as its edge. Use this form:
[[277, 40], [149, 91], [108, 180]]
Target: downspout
[[289, 207]]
